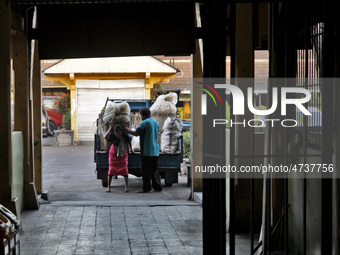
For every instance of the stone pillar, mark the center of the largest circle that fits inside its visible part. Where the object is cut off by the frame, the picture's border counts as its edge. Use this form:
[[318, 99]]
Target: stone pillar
[[30, 190], [5, 106], [22, 115], [21, 96]]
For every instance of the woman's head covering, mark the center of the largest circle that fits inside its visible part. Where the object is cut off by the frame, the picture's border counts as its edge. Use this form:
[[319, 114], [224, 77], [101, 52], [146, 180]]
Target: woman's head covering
[[118, 127]]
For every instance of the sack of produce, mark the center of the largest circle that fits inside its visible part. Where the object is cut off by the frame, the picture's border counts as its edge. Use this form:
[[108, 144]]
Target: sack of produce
[[164, 107], [122, 114], [172, 131], [165, 104], [116, 113], [109, 113]]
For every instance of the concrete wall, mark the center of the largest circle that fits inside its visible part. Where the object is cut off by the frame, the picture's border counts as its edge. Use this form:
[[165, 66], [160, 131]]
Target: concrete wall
[[18, 168]]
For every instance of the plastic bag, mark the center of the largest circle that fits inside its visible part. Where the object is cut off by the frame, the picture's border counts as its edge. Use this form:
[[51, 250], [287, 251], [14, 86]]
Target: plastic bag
[[8, 223], [135, 143], [11, 216], [4, 231]]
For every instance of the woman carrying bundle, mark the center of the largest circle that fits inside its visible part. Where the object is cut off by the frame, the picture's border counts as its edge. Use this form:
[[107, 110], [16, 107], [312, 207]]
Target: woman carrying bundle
[[118, 154]]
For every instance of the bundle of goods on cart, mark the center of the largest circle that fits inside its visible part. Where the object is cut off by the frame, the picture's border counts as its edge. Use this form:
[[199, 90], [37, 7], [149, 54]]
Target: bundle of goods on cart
[[114, 113]]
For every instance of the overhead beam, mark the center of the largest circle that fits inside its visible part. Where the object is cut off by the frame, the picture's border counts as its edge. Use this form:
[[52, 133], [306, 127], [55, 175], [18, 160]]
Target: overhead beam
[[109, 30]]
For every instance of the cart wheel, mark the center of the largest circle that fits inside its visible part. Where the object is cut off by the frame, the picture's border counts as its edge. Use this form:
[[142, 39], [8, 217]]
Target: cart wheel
[[168, 184], [104, 183]]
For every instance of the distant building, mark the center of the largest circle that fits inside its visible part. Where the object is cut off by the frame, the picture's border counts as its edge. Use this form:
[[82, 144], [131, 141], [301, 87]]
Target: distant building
[[91, 81]]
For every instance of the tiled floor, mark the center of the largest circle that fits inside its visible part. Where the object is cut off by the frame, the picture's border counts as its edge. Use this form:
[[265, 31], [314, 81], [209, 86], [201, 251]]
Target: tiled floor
[[112, 230], [80, 218]]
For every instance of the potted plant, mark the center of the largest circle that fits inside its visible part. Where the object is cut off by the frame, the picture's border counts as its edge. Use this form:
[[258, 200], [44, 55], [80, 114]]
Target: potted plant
[[187, 154], [186, 145], [65, 136]]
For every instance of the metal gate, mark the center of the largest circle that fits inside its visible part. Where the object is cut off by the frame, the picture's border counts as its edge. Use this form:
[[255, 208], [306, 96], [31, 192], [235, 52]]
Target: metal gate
[[301, 39]]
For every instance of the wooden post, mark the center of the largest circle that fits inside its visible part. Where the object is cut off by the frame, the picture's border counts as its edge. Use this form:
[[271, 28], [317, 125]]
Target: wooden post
[[5, 106], [37, 120], [196, 122]]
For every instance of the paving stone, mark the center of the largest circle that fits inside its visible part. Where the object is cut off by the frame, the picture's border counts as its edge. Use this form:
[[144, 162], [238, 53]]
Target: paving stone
[[121, 250], [44, 251], [33, 243], [178, 252], [84, 250], [138, 243], [71, 252], [173, 243], [195, 250], [103, 244], [66, 248], [140, 249], [141, 253], [69, 240], [102, 252], [85, 243], [29, 251], [158, 249]]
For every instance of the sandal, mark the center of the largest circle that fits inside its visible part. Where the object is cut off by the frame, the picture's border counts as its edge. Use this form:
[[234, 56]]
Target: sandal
[[144, 191]]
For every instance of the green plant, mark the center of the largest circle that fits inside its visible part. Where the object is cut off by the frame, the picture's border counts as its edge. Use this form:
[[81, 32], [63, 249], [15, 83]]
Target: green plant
[[67, 120], [186, 145], [103, 110], [63, 103], [227, 113]]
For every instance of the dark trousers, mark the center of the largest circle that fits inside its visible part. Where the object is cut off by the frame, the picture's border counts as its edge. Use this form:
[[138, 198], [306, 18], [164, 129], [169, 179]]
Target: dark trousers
[[150, 171]]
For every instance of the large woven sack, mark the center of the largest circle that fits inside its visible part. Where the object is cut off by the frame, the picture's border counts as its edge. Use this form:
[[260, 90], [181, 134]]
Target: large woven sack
[[172, 130], [164, 107], [165, 104], [116, 113]]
